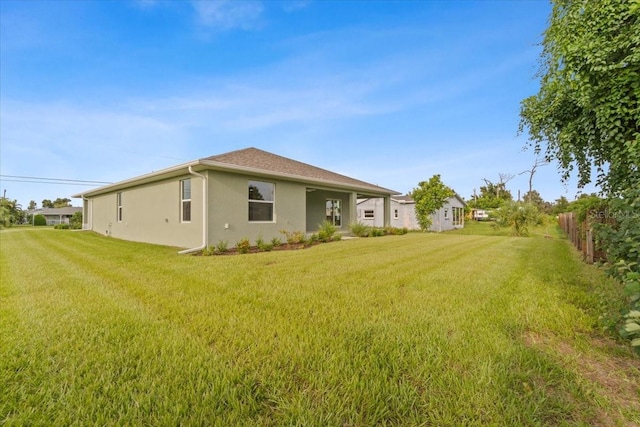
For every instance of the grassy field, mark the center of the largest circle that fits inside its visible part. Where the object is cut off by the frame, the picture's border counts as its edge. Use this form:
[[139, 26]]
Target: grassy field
[[421, 329]]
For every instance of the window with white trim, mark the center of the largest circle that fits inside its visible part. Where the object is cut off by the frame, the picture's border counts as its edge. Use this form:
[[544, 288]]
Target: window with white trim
[[261, 201], [369, 214], [119, 205], [185, 200]]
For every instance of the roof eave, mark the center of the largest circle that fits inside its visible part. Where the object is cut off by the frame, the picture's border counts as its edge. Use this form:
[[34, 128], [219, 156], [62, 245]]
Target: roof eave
[[202, 164], [297, 178], [140, 180]]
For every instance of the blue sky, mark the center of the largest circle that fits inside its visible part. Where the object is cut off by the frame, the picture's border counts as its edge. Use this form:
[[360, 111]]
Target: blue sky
[[387, 92]]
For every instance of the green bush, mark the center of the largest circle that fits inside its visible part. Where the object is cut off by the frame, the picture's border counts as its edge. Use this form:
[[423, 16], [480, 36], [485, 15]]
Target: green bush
[[294, 237], [76, 221], [221, 247], [61, 226], [39, 220], [395, 231], [262, 245], [359, 229], [243, 245], [326, 230], [518, 216], [376, 232], [276, 242]]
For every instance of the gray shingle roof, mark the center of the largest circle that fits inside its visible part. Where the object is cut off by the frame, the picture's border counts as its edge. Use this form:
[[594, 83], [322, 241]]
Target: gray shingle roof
[[69, 210], [262, 160]]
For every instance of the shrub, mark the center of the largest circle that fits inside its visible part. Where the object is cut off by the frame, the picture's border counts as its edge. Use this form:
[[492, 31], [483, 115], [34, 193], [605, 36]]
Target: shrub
[[631, 327], [326, 230], [517, 216], [208, 251], [243, 245], [276, 242], [61, 226], [221, 247], [395, 231], [76, 221], [294, 237], [39, 220], [262, 245], [376, 232], [359, 229]]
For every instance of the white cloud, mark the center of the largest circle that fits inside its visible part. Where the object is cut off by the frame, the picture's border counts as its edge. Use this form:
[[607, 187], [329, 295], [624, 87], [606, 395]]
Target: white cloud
[[59, 139], [224, 15]]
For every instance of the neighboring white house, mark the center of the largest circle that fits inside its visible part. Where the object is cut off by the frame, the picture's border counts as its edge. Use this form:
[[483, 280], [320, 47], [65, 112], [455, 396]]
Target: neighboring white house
[[56, 216], [403, 213]]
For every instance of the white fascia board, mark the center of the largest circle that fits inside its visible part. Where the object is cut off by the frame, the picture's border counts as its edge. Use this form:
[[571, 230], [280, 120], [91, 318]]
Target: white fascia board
[[181, 169]]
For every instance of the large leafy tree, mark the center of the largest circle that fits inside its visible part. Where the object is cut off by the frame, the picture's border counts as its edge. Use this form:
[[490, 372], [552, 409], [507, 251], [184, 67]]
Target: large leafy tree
[[61, 203], [587, 115], [10, 212], [492, 196], [430, 196]]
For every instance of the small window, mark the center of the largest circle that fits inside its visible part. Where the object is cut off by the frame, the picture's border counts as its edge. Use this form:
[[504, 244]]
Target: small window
[[261, 200], [395, 213], [369, 214], [119, 204], [185, 200], [446, 214]]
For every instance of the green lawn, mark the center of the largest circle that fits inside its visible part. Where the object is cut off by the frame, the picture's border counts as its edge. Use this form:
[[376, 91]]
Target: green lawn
[[421, 329]]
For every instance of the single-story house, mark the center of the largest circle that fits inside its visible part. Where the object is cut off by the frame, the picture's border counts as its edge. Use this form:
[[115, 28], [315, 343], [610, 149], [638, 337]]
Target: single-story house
[[55, 216], [247, 193], [403, 213]]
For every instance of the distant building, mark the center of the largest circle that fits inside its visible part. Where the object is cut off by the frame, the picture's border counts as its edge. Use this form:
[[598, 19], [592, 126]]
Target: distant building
[[403, 213], [56, 216]]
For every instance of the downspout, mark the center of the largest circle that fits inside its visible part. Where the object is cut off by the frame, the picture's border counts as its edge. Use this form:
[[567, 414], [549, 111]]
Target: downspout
[[205, 213], [84, 214]]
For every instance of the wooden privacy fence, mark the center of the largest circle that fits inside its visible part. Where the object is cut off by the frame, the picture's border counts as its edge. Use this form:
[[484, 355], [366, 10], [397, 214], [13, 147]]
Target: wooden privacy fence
[[581, 233]]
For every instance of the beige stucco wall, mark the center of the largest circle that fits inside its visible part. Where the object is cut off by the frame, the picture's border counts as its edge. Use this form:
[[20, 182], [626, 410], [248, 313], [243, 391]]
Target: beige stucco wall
[[229, 209], [150, 213]]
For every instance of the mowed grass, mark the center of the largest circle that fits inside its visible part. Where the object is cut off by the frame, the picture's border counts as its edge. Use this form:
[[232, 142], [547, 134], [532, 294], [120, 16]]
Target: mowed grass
[[421, 329]]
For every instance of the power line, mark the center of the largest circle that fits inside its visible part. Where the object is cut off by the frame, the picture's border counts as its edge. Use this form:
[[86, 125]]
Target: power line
[[43, 180]]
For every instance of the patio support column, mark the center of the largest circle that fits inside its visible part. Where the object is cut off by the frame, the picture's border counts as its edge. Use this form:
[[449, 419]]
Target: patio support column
[[387, 211], [353, 208]]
